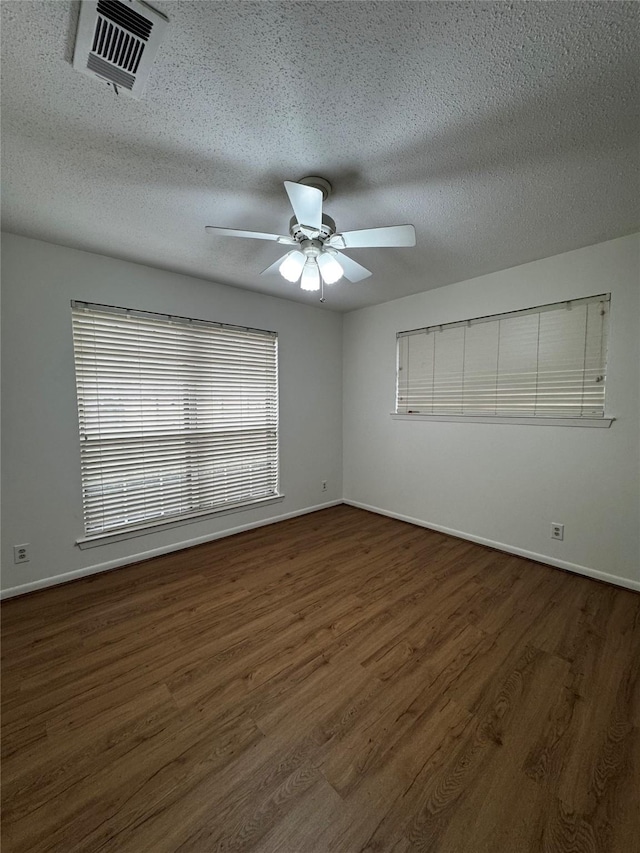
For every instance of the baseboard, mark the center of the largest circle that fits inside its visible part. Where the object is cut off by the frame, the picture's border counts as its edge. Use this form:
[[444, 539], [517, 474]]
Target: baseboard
[[501, 546], [11, 592]]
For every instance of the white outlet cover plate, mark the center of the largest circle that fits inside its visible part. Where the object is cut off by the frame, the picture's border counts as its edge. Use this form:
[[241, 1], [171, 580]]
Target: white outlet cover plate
[[21, 554]]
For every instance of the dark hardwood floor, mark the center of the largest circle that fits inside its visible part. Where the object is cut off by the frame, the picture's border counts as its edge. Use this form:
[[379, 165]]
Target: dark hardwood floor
[[337, 682]]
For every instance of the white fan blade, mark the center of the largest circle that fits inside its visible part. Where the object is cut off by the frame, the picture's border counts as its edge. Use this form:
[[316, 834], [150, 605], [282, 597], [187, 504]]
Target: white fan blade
[[388, 237], [352, 270], [255, 235], [275, 266], [306, 203]]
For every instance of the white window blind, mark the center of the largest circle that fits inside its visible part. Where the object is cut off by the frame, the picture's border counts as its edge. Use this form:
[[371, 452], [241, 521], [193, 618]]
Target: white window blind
[[548, 361], [177, 417]]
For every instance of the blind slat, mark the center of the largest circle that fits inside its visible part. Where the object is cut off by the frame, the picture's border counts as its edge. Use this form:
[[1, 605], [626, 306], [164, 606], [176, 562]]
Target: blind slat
[[547, 362], [175, 416]]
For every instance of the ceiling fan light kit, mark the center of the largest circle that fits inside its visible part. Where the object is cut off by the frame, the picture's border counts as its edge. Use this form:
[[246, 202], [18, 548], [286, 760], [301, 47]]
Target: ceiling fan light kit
[[310, 278], [316, 260], [291, 266], [330, 268]]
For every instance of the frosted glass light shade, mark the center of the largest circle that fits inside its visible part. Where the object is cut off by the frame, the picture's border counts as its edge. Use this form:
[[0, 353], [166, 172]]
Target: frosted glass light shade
[[330, 268], [310, 276], [292, 265]]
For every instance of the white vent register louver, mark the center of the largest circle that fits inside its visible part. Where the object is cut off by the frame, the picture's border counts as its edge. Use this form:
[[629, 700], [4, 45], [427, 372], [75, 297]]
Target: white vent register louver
[[117, 42]]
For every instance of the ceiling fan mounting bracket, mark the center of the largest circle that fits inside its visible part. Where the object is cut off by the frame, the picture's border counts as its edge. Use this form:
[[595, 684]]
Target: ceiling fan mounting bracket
[[321, 184]]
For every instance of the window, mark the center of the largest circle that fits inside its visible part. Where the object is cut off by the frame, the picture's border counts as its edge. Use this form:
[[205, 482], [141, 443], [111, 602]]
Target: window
[[177, 417], [546, 362]]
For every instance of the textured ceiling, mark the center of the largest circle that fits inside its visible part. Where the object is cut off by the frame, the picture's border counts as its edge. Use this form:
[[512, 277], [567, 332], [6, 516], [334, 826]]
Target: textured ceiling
[[504, 132]]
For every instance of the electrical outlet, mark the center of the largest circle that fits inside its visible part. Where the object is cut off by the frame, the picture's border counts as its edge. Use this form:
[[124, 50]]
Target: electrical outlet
[[21, 554], [324, 485], [557, 530]]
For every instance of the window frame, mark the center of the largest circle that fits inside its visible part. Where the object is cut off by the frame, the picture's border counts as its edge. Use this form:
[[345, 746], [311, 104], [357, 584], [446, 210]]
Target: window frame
[[206, 503]]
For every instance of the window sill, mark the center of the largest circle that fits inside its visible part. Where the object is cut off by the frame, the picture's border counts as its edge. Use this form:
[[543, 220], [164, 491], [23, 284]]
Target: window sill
[[603, 423], [96, 539]]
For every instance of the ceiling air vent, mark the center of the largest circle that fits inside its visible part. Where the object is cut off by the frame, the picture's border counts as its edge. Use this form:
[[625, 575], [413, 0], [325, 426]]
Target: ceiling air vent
[[117, 41]]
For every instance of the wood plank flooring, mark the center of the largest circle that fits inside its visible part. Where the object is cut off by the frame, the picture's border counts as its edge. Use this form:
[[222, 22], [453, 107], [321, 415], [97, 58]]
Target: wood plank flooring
[[337, 682]]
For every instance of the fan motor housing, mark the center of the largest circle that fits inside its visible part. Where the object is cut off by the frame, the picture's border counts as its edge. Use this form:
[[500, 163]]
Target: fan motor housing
[[300, 232]]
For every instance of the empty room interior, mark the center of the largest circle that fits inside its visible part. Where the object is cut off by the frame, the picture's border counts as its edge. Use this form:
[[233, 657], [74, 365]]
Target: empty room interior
[[320, 427]]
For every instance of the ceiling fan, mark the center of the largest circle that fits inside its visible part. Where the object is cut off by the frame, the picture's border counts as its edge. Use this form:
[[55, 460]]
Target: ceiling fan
[[316, 259]]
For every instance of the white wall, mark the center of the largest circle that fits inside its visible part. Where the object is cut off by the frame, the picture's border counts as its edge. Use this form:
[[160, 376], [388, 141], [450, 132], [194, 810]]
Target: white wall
[[505, 484], [41, 496]]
